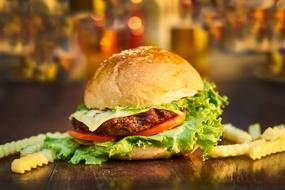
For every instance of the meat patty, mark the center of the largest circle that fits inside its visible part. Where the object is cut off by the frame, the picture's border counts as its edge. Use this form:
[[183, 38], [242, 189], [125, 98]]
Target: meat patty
[[124, 126]]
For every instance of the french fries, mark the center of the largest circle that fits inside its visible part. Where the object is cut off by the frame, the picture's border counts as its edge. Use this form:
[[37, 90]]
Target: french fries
[[34, 160], [15, 146], [229, 150], [254, 131], [24, 145], [31, 149], [274, 133], [270, 142], [262, 148], [31, 152], [235, 134]]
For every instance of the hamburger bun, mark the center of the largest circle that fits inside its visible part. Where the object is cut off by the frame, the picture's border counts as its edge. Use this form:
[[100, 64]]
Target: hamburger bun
[[151, 152], [146, 153], [141, 77]]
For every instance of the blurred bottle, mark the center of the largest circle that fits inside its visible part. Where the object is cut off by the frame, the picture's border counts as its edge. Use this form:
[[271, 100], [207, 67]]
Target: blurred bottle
[[89, 21], [215, 25], [135, 30], [259, 24], [278, 29], [114, 27], [151, 17], [190, 40]]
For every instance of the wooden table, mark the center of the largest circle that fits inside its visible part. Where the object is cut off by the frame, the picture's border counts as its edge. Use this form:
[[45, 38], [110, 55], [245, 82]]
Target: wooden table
[[31, 108]]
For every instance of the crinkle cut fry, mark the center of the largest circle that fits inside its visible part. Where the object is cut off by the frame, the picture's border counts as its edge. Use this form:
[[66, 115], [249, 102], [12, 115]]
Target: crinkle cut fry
[[30, 161], [274, 133], [16, 146], [255, 150], [254, 131], [235, 134], [229, 150], [262, 148]]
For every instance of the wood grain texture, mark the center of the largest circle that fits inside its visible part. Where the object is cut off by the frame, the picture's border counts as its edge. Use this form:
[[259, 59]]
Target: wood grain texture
[[28, 109], [36, 179]]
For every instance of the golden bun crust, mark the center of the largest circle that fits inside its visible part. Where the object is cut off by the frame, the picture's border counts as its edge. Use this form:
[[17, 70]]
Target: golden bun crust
[[140, 77]]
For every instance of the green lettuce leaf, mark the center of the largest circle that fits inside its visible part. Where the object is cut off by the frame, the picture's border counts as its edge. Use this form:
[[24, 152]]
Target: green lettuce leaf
[[177, 140], [81, 107], [90, 155], [206, 107], [202, 127], [63, 147]]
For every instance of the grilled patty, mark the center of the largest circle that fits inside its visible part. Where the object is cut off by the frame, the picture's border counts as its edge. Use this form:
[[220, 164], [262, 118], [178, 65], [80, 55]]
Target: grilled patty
[[129, 125]]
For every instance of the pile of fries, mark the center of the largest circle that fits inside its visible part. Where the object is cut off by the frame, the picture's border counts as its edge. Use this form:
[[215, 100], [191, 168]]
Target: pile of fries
[[252, 143]]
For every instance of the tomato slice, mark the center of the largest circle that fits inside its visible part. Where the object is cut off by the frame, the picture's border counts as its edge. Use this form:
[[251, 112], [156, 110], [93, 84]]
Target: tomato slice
[[90, 136], [169, 124]]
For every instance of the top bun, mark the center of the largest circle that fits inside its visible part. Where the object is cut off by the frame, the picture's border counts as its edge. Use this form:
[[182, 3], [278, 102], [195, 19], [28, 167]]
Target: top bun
[[140, 77]]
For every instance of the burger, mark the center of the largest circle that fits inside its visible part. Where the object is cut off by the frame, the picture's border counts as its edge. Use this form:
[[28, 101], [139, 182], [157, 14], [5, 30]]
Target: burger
[[142, 103]]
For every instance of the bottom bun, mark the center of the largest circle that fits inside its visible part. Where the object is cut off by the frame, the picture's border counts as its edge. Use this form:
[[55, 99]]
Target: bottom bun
[[146, 153], [152, 152]]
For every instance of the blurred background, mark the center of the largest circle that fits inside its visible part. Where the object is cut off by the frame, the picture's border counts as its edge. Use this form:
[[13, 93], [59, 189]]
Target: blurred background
[[49, 48]]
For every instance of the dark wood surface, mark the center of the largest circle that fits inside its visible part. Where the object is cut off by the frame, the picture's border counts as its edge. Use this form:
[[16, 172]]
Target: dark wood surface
[[30, 108]]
